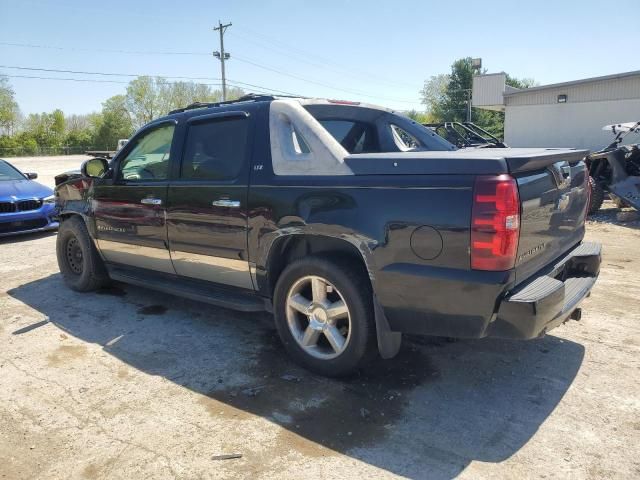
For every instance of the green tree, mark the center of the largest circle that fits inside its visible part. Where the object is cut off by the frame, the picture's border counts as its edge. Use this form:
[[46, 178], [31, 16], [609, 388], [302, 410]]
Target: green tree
[[58, 126], [148, 98], [9, 111], [80, 132], [47, 129], [113, 123], [520, 82], [144, 99], [421, 117], [447, 97]]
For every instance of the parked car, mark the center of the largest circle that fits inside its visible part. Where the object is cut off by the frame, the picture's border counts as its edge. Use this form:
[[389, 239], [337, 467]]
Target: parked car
[[352, 224], [25, 205]]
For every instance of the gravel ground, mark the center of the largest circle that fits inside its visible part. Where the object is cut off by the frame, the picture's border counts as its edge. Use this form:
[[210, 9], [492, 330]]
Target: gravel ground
[[129, 383]]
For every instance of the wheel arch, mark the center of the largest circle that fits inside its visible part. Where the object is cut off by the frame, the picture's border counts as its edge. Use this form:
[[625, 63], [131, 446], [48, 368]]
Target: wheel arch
[[288, 248], [67, 213]]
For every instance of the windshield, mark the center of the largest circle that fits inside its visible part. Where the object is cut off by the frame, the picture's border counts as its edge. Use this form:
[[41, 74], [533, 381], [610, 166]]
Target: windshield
[[7, 172]]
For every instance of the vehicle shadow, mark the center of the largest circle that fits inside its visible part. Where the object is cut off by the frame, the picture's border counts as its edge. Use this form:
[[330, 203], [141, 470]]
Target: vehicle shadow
[[26, 237], [428, 413]]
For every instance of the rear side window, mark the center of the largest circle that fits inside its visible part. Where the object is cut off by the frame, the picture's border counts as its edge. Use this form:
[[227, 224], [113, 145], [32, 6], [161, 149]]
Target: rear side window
[[403, 139], [355, 137], [215, 150]]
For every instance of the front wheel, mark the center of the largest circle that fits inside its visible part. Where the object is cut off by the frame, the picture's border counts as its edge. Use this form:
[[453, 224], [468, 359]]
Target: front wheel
[[79, 262], [324, 316]]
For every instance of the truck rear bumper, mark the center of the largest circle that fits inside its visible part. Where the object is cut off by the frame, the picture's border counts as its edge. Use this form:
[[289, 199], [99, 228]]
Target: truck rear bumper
[[474, 304], [550, 298]]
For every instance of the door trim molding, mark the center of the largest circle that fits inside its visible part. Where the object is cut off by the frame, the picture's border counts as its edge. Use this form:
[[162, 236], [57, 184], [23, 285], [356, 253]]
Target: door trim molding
[[221, 270], [151, 258]]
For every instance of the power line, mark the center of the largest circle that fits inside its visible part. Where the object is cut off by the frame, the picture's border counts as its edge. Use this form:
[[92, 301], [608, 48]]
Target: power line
[[303, 56], [286, 74], [303, 59], [112, 74], [93, 50], [93, 80], [244, 60], [84, 72], [90, 80], [236, 83]]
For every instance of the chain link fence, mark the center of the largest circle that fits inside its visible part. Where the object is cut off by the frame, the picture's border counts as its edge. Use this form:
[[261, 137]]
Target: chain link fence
[[31, 151]]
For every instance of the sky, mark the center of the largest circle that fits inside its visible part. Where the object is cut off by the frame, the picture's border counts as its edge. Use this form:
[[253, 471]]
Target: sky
[[369, 51]]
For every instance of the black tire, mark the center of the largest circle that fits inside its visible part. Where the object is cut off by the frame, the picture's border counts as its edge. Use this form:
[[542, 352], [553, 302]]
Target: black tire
[[79, 262], [597, 195], [355, 289]]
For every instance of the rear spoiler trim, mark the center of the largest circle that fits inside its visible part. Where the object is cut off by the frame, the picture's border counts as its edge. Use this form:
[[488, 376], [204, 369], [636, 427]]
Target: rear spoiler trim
[[527, 163]]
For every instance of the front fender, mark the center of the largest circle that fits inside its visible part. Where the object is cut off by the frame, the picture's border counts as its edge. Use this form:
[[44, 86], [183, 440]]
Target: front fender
[[73, 198]]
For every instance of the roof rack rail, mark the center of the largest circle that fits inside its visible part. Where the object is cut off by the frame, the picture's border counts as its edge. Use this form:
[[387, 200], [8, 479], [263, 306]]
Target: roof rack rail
[[250, 97]]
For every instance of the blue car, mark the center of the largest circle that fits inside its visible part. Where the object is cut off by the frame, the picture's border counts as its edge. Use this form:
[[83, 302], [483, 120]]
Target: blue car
[[25, 206]]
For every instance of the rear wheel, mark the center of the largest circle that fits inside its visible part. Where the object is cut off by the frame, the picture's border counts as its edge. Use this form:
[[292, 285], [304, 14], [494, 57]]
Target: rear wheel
[[79, 262], [597, 195], [324, 316]]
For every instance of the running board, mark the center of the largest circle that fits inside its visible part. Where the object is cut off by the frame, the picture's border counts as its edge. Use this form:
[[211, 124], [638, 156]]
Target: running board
[[183, 287]]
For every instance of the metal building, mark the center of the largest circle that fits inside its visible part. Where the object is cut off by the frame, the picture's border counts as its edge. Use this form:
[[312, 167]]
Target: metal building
[[569, 114]]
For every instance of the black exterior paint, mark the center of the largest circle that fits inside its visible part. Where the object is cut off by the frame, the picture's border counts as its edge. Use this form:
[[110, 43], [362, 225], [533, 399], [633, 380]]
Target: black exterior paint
[[376, 212]]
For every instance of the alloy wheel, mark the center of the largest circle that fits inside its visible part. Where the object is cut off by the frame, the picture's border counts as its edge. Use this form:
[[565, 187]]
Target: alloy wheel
[[318, 317]]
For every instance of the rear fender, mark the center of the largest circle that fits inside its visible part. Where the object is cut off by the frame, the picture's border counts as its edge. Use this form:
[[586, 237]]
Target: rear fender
[[389, 341]]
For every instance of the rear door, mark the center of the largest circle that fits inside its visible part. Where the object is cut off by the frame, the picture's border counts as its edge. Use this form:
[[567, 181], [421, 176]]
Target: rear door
[[207, 213], [130, 211]]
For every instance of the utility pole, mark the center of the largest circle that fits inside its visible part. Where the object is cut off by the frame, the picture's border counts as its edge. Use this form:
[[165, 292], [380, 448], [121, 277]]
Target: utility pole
[[222, 56]]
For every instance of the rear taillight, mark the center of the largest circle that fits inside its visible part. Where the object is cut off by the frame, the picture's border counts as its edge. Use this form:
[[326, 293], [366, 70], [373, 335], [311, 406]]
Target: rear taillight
[[495, 223]]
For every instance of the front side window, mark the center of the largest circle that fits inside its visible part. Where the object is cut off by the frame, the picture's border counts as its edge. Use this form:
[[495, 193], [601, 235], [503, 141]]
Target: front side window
[[215, 150], [149, 158]]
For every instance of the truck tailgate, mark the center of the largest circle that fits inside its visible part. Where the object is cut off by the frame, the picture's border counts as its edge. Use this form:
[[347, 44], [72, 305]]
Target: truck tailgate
[[553, 191]]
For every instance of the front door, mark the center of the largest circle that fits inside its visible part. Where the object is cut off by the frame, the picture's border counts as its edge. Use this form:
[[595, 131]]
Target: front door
[[130, 210], [207, 210]]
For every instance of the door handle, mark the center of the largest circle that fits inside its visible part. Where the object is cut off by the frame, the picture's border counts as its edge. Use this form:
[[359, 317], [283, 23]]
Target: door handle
[[226, 203], [151, 201]]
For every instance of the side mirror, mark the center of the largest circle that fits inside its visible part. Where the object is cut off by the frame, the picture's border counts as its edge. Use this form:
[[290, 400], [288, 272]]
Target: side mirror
[[31, 175], [95, 167]]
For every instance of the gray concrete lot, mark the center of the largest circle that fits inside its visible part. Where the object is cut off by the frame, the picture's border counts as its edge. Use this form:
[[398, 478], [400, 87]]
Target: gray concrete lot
[[129, 383]]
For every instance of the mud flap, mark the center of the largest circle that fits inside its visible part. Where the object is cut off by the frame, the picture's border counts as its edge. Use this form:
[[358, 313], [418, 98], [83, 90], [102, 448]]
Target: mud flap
[[388, 341], [628, 190]]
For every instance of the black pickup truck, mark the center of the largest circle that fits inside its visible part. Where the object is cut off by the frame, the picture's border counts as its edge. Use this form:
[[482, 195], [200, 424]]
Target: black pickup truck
[[349, 222]]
